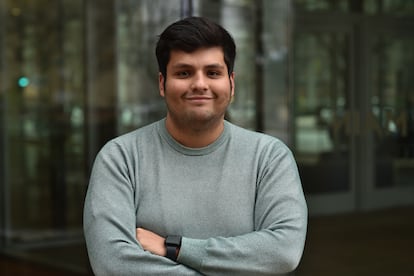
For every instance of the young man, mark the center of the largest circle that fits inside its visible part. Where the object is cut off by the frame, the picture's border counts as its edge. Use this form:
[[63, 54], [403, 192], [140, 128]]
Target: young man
[[193, 194]]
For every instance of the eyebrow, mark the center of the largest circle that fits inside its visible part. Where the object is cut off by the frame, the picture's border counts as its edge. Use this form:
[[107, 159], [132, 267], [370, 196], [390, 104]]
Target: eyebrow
[[186, 65]]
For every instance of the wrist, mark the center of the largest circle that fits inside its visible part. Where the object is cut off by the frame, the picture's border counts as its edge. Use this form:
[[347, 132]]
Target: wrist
[[172, 245]]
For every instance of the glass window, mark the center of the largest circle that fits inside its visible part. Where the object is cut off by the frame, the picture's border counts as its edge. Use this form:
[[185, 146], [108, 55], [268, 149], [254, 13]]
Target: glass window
[[322, 5], [275, 52], [322, 119], [44, 118], [137, 94], [371, 7], [392, 105], [43, 146], [395, 7]]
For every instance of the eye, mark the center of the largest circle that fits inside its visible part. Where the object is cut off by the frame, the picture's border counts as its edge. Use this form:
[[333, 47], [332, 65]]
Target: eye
[[182, 74], [214, 74]]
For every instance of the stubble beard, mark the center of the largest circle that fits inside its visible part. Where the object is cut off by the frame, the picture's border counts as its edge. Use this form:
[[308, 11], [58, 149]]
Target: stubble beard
[[197, 120]]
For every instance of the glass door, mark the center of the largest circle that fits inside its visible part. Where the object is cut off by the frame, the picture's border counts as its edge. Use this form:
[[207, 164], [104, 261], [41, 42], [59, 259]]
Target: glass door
[[324, 115], [353, 103], [42, 122], [389, 113]]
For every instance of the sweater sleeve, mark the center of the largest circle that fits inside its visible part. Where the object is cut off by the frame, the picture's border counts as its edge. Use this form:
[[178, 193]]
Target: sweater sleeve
[[110, 222], [276, 245]]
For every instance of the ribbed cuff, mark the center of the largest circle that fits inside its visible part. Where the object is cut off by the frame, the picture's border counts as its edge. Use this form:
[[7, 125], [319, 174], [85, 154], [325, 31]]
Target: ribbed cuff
[[192, 253]]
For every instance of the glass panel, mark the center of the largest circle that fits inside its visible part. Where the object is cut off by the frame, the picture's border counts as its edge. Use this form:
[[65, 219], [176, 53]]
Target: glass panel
[[392, 101], [100, 68], [276, 49], [239, 18], [322, 121], [138, 99], [44, 115], [395, 7], [322, 5]]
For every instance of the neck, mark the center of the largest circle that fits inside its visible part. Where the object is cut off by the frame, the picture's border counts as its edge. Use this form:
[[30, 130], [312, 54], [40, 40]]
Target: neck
[[195, 136]]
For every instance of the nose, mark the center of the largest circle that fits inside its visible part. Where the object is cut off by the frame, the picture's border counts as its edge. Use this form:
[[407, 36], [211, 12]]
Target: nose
[[199, 82]]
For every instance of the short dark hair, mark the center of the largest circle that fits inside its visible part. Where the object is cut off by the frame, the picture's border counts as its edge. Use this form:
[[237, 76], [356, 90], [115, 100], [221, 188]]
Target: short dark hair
[[193, 33]]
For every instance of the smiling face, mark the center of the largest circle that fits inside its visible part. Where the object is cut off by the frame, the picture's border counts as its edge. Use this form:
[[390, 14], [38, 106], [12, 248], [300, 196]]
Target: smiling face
[[197, 88]]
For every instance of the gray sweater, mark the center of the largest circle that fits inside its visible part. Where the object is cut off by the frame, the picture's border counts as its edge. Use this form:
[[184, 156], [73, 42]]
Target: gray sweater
[[238, 203]]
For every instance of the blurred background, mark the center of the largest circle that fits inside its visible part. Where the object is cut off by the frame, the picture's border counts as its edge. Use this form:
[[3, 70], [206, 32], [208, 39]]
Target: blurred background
[[332, 79]]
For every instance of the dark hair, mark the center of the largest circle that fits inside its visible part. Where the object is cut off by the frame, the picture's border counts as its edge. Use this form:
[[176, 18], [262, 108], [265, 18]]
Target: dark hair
[[193, 33]]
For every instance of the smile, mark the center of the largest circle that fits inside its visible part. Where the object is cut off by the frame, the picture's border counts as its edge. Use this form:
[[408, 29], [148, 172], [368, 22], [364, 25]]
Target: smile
[[198, 99]]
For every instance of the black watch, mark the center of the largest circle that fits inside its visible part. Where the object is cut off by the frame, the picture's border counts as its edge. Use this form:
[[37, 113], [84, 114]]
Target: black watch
[[173, 244]]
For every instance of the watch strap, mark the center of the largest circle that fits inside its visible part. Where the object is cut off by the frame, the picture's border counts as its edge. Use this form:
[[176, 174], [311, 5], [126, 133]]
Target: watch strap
[[172, 244], [171, 252]]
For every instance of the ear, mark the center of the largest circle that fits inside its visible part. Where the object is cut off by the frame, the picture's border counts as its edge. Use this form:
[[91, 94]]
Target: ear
[[161, 81], [231, 84]]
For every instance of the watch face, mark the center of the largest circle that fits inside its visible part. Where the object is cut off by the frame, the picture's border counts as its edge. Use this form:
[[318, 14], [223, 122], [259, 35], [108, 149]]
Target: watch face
[[173, 240]]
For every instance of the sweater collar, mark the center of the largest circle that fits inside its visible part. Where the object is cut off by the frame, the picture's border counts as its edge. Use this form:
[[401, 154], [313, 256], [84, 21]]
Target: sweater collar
[[162, 130]]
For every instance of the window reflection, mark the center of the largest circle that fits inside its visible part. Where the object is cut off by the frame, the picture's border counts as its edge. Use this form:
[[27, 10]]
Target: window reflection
[[45, 117], [392, 105], [322, 5], [138, 24], [322, 122], [240, 19], [394, 7]]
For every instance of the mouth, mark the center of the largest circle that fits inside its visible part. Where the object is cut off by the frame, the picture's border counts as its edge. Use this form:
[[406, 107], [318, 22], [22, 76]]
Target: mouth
[[198, 99]]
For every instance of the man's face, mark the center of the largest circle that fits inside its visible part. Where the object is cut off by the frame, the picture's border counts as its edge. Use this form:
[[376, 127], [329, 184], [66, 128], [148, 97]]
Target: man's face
[[198, 88]]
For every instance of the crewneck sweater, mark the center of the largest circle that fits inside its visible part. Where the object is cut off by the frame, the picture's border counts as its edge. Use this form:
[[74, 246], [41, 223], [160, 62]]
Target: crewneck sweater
[[238, 204]]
